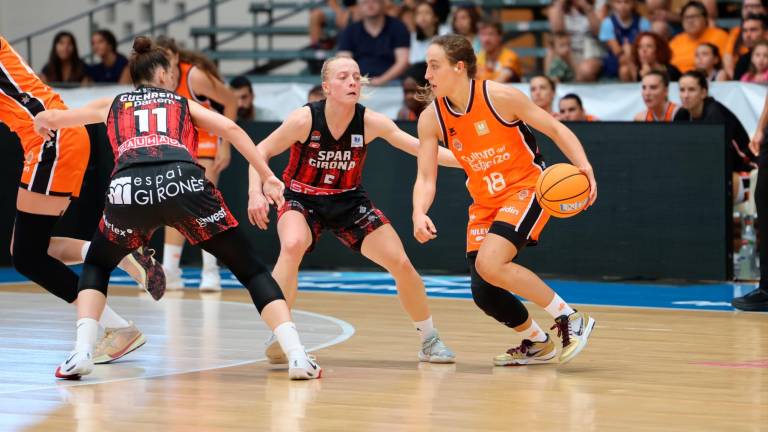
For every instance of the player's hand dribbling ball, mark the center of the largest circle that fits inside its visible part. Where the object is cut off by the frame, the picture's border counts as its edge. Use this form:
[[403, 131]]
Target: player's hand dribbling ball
[[563, 190]]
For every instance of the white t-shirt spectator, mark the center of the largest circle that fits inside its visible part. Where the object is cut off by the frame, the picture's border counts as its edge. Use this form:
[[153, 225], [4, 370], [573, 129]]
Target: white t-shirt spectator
[[419, 48]]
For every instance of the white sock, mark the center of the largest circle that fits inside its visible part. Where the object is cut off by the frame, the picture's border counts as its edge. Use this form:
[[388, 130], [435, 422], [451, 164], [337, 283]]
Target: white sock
[[425, 328], [558, 307], [534, 333], [209, 262], [171, 256], [84, 250], [87, 330], [110, 319], [289, 341]]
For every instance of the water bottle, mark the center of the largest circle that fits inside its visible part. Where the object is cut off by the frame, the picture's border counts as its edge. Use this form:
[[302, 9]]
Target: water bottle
[[747, 257]]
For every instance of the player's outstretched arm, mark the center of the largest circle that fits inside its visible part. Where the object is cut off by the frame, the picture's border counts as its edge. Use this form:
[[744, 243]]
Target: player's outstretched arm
[[426, 178], [383, 127], [272, 187], [218, 91], [514, 103], [50, 120], [295, 128]]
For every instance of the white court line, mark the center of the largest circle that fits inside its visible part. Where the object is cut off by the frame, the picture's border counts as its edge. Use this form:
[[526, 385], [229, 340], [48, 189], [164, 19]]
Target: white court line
[[347, 330]]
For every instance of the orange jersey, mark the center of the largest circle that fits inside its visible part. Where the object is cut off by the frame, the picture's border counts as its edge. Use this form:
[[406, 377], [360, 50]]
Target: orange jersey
[[500, 157], [669, 113], [207, 141], [22, 95]]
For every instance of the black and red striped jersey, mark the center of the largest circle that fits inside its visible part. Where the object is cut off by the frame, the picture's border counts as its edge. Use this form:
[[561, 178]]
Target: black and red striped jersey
[[151, 125], [323, 164]]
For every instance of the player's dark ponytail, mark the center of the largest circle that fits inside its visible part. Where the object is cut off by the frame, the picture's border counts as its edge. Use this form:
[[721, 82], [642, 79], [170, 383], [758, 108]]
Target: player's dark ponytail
[[146, 57]]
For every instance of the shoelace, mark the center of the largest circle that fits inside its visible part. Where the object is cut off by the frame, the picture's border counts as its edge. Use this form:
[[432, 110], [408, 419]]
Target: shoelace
[[563, 330], [108, 336], [431, 343], [524, 347]]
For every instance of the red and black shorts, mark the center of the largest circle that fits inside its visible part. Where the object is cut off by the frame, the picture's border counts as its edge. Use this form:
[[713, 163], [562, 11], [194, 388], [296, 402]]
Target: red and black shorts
[[349, 215], [143, 198]]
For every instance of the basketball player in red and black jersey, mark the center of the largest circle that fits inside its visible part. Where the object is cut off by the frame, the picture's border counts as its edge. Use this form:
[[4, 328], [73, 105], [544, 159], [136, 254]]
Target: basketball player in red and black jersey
[[51, 177], [158, 182], [329, 140]]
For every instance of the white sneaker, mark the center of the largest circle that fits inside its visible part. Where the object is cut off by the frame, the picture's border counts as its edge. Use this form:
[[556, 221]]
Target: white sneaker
[[274, 351], [304, 369], [210, 281], [173, 280], [77, 364]]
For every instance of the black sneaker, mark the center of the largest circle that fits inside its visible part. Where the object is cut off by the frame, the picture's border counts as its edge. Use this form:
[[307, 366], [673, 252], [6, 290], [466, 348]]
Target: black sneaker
[[756, 300]]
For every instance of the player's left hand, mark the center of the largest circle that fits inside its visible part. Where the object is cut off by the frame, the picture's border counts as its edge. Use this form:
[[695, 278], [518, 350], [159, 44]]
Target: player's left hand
[[223, 157], [41, 127], [273, 190], [587, 170], [258, 210]]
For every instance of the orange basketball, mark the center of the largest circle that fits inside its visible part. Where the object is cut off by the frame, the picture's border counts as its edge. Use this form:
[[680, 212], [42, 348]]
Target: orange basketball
[[562, 190]]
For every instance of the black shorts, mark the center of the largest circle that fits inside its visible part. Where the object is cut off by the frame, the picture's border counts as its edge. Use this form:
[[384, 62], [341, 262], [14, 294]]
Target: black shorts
[[350, 215], [142, 198]]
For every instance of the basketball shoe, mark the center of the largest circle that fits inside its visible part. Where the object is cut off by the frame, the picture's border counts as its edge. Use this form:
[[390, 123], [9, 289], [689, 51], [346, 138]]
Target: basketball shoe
[[433, 350], [77, 364], [117, 342], [147, 272], [528, 352], [304, 369], [210, 280], [574, 330], [274, 351], [173, 279]]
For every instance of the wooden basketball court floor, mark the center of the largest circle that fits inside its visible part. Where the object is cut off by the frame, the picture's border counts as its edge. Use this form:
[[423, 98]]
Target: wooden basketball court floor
[[203, 370]]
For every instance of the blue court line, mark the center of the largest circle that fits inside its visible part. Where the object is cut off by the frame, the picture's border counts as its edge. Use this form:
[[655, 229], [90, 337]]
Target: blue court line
[[715, 296]]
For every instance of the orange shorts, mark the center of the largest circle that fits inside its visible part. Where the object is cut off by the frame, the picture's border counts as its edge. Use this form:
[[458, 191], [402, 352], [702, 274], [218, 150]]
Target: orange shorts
[[207, 149], [56, 167], [520, 220]]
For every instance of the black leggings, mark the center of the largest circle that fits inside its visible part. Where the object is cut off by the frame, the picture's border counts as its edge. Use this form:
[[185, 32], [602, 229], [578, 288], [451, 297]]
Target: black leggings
[[232, 247]]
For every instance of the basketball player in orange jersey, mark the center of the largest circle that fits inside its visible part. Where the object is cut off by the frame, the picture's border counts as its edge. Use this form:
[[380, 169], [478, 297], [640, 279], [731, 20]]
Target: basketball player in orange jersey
[[198, 80], [485, 125], [655, 88], [329, 140], [52, 175]]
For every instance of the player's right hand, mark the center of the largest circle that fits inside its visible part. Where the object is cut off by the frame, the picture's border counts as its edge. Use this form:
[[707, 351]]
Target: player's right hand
[[258, 210], [423, 228]]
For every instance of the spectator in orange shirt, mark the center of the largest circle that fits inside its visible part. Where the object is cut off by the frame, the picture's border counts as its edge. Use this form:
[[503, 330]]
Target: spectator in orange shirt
[[571, 109], [658, 107], [736, 46], [696, 32], [495, 62]]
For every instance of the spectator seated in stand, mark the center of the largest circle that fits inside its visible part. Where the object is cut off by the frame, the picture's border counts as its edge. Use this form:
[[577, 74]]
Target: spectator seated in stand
[[64, 64], [379, 43], [496, 62], [736, 47], [649, 53], [465, 20], [709, 62], [542, 90], [113, 67], [412, 81], [696, 31], [618, 32], [753, 29], [558, 63], [758, 68], [579, 19]]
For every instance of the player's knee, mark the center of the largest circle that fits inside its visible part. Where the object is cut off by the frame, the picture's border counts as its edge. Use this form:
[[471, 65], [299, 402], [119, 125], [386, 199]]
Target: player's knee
[[264, 290], [95, 277], [27, 259], [295, 245], [487, 268]]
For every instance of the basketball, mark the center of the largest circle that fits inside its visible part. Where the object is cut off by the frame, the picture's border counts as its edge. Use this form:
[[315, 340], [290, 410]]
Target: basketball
[[562, 190]]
